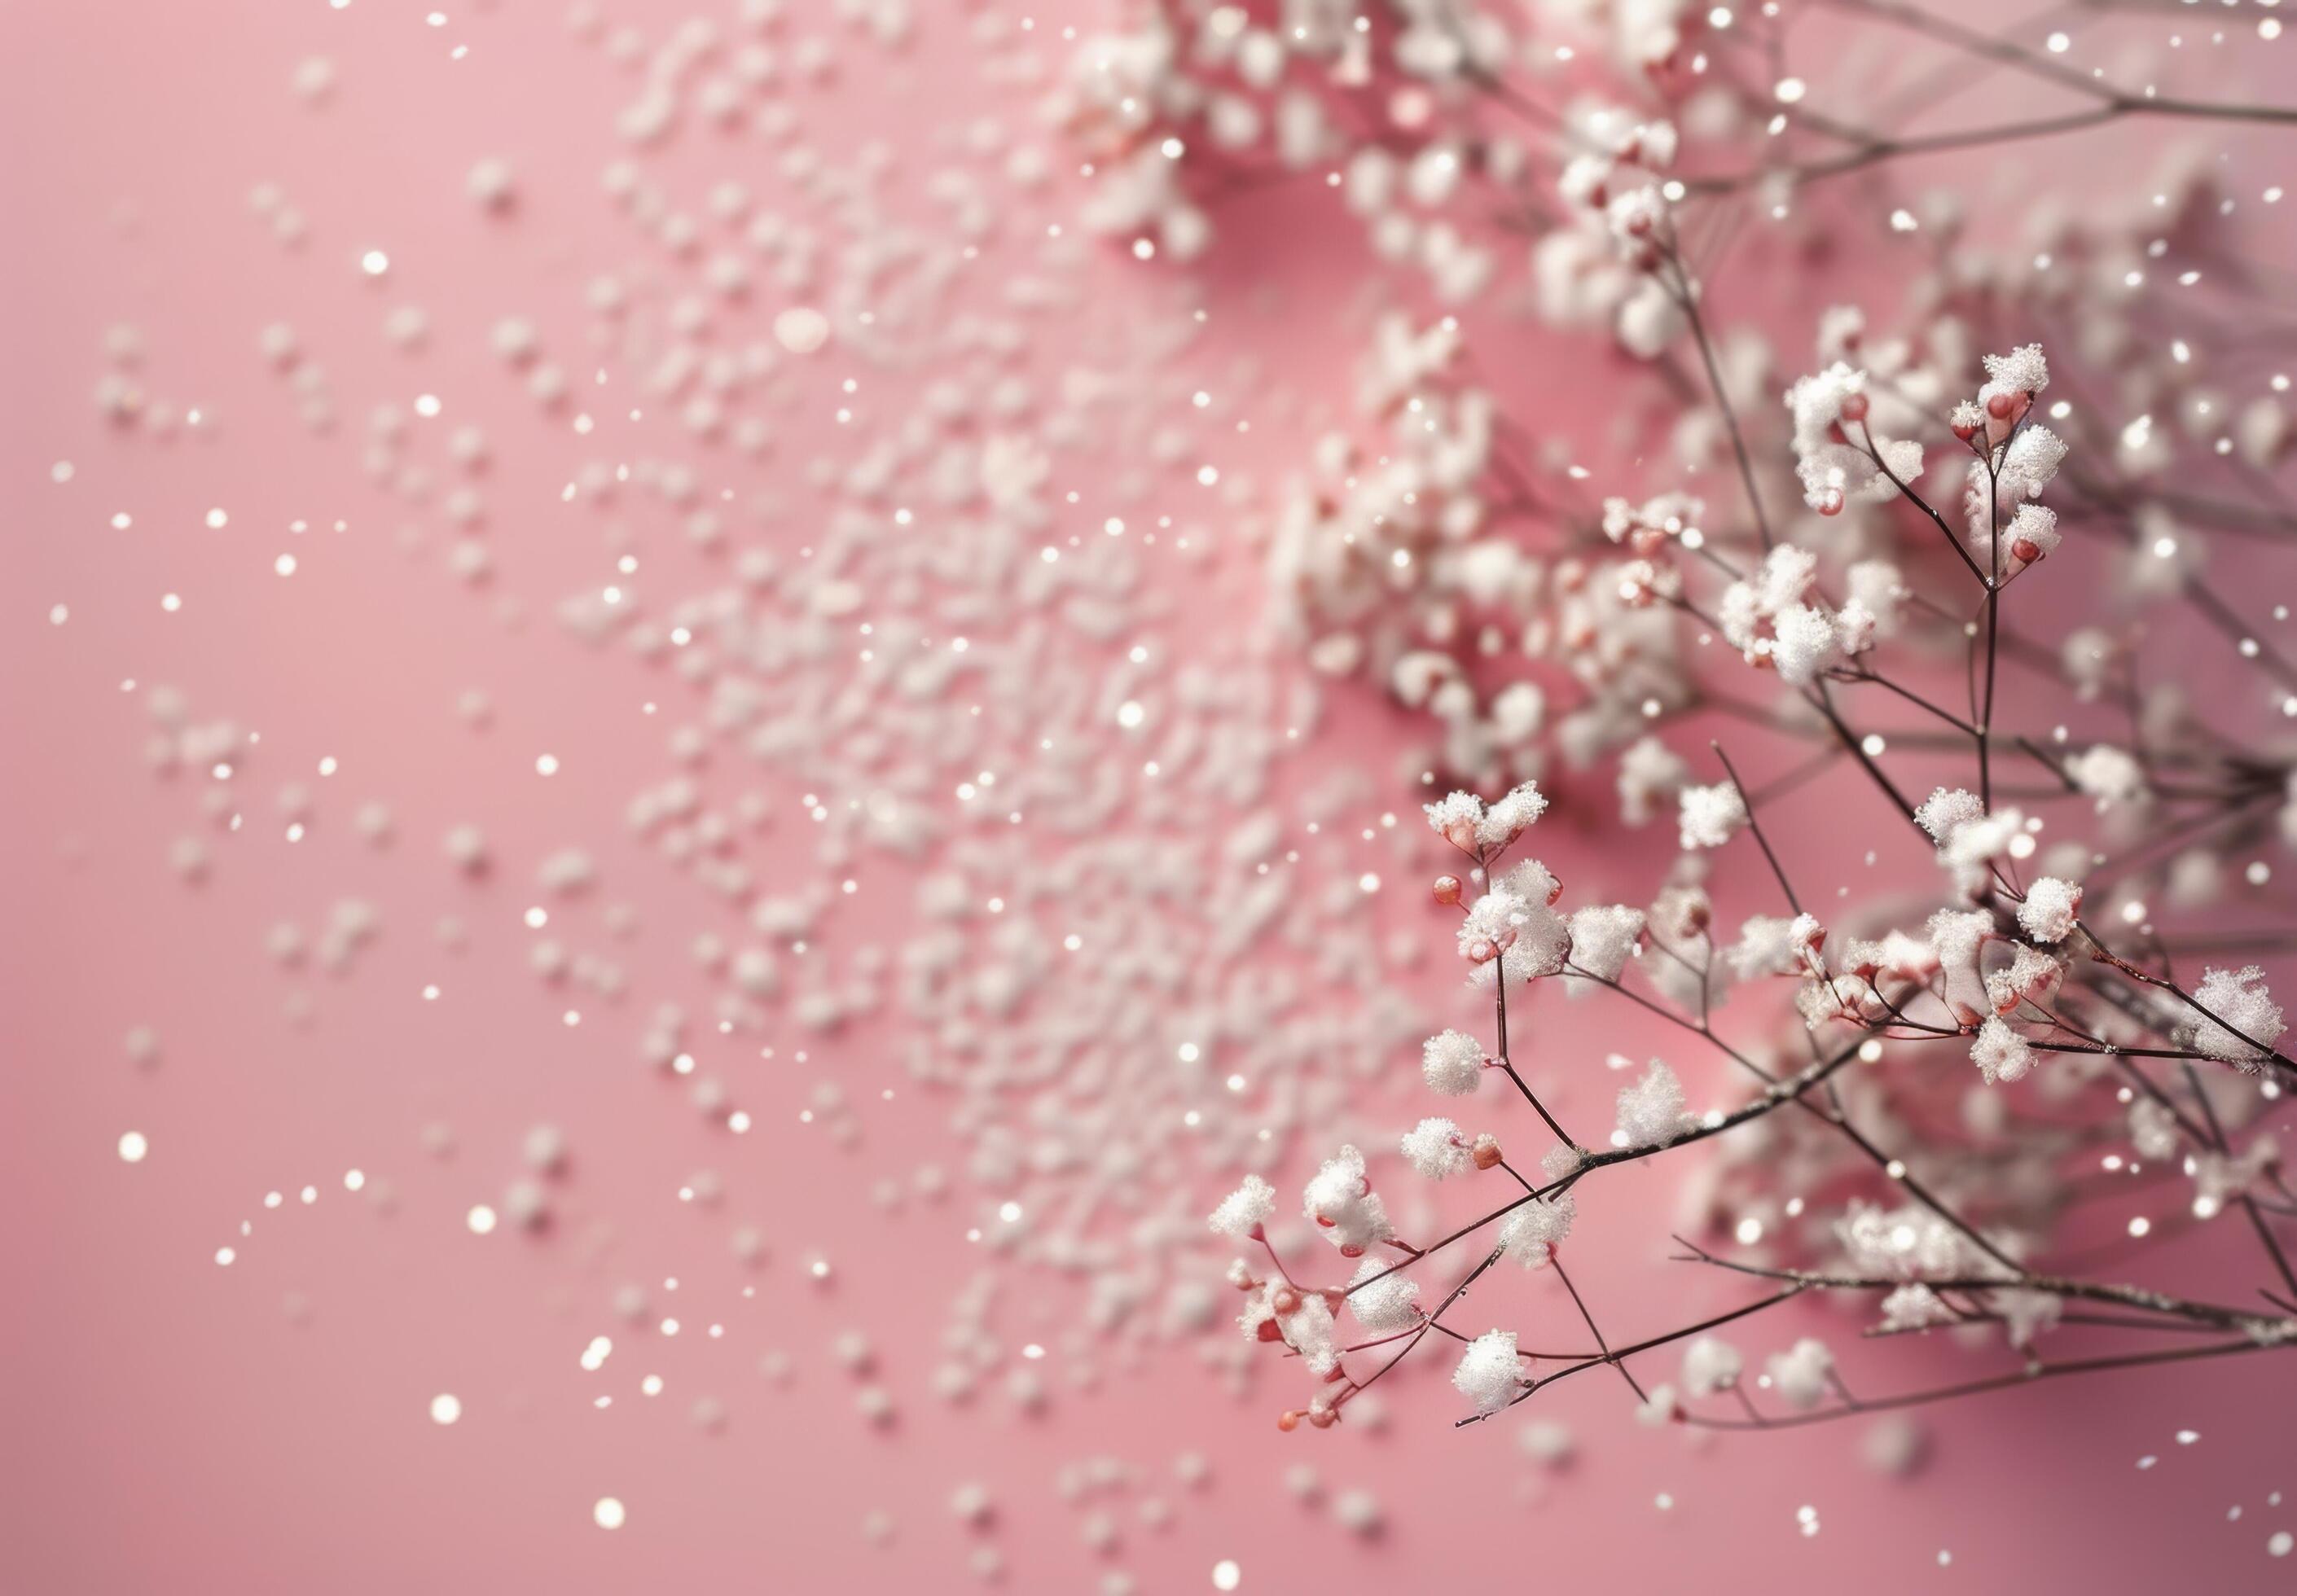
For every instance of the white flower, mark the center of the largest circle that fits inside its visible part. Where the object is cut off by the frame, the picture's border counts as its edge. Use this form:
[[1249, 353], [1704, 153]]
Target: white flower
[[1463, 820], [1945, 812], [1905, 1241], [1535, 1230], [1913, 1306], [2031, 976], [1451, 1062], [2108, 774], [1511, 815], [1711, 814], [2051, 906], [1710, 1364], [2029, 463], [1830, 438], [1652, 1111], [2000, 1053], [1659, 1407], [1769, 945], [1799, 1374], [1341, 1201], [1245, 1210], [1489, 1374], [1650, 774], [1603, 936], [1456, 819], [2240, 1004], [2021, 371], [2026, 1314], [1805, 641], [1504, 931], [1383, 1298], [1437, 1149]]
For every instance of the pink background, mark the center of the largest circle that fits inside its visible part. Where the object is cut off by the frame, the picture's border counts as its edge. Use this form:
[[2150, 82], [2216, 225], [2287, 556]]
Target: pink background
[[174, 1426]]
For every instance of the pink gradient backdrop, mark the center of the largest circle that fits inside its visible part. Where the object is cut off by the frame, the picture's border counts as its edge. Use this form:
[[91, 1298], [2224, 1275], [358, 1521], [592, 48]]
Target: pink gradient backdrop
[[168, 1425]]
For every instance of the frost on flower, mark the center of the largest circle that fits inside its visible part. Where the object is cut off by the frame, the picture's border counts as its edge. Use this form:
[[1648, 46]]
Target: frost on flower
[[1652, 1111], [2051, 905], [1603, 937], [2030, 977], [1829, 410], [1711, 814], [1507, 932], [1710, 1364], [2243, 1022], [1535, 1231], [1489, 1374], [1463, 820], [1770, 619], [1946, 812], [1384, 1300], [1999, 1052], [1245, 1210], [1451, 1062], [1341, 1201], [1799, 1374], [1437, 1149], [1769, 945], [2021, 371]]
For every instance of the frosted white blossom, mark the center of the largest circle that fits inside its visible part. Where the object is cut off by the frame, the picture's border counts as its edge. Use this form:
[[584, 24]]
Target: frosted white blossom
[[1999, 1052], [1505, 930], [2242, 1017], [1489, 1374], [2051, 906], [1246, 1209], [2031, 462], [1711, 814], [1533, 1232], [1946, 812], [1603, 937], [1652, 1111], [1770, 945], [1830, 437], [1383, 1298], [1341, 1201], [1451, 1062], [2030, 977], [2022, 371], [1463, 820], [1437, 1150]]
